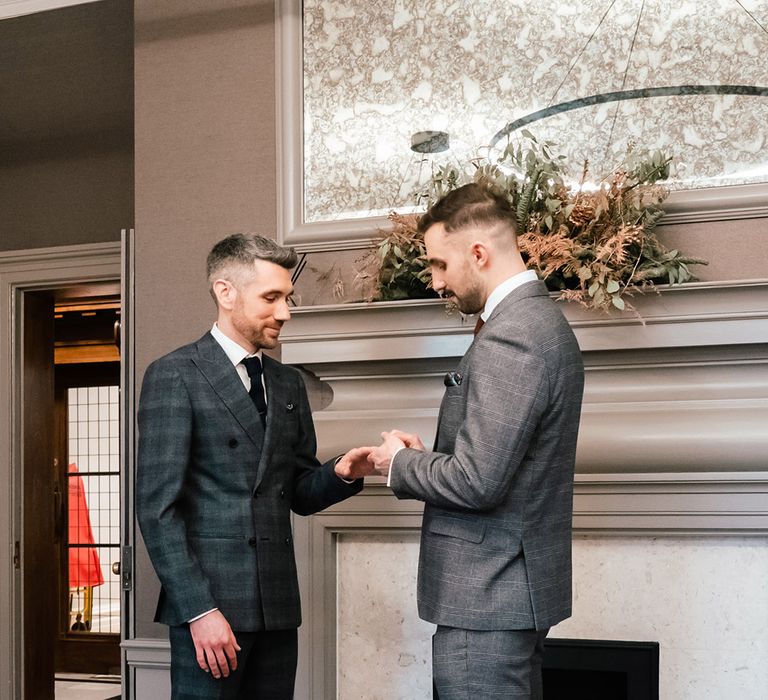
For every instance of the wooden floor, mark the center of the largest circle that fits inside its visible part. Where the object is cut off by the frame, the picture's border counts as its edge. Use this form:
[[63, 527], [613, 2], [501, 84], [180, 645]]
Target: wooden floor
[[84, 687]]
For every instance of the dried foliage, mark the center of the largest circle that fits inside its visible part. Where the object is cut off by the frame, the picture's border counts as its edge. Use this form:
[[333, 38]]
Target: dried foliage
[[594, 244], [397, 268]]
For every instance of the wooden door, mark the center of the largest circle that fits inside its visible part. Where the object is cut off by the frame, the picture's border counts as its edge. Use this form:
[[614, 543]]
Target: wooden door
[[38, 551]]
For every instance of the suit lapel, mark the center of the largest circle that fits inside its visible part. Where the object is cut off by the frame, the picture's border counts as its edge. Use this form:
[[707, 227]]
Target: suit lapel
[[277, 399], [217, 368], [524, 291]]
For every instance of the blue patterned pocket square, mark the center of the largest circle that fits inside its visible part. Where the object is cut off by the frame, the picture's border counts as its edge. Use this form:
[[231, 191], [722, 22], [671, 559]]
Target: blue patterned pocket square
[[452, 379]]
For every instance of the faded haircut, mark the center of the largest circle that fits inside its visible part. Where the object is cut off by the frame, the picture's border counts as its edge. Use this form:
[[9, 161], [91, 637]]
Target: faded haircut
[[236, 254], [474, 204]]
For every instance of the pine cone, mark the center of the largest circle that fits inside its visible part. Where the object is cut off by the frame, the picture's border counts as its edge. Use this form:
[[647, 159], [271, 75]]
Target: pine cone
[[583, 212]]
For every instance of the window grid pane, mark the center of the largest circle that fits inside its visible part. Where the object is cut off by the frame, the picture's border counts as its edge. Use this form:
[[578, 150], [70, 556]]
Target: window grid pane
[[93, 542]]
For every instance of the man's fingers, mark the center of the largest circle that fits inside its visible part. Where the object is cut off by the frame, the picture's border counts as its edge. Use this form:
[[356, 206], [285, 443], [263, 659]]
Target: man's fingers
[[229, 650], [200, 655], [213, 663], [221, 659], [410, 439]]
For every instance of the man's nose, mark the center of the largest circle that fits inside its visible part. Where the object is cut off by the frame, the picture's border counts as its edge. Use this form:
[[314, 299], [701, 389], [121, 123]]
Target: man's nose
[[438, 284], [283, 312]]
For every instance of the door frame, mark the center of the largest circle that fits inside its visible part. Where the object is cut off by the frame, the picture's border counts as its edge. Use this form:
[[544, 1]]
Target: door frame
[[25, 271]]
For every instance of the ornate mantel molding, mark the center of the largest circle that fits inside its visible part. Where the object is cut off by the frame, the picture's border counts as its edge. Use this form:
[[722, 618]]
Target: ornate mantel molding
[[673, 432], [694, 314]]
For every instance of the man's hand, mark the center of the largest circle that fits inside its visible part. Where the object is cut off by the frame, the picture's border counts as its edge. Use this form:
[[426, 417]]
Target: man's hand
[[410, 439], [381, 457], [215, 644], [354, 464]]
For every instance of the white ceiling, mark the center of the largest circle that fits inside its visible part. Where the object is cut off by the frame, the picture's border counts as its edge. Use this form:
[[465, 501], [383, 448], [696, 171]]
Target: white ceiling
[[16, 8]]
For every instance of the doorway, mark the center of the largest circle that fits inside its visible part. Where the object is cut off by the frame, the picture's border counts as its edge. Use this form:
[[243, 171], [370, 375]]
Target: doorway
[[86, 477], [34, 479]]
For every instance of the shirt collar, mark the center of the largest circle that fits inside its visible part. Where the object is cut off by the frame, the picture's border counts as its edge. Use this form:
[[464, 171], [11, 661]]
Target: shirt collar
[[498, 294], [235, 352]]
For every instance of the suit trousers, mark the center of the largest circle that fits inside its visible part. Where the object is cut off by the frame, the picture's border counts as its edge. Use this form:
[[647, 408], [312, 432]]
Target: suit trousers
[[472, 664], [266, 668]]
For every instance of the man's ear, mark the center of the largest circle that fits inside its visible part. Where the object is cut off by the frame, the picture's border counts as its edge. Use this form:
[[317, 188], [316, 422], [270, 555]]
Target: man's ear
[[226, 294], [479, 253]]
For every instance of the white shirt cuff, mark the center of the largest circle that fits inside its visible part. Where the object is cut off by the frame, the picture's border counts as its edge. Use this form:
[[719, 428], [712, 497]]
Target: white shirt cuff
[[207, 612], [391, 462]]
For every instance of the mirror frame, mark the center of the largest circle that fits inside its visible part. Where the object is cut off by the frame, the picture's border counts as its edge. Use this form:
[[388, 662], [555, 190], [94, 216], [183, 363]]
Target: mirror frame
[[683, 206]]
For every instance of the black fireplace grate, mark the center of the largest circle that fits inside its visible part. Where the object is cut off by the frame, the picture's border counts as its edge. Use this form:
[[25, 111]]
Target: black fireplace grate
[[596, 669]]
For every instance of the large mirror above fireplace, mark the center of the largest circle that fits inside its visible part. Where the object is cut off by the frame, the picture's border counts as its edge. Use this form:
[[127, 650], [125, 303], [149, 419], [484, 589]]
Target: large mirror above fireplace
[[596, 77]]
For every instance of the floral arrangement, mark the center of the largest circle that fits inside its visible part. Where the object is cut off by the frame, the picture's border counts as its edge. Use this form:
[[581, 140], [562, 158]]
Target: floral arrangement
[[396, 268], [595, 244]]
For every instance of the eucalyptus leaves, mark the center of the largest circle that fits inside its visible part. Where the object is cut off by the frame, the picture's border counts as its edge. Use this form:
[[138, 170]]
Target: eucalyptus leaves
[[397, 268]]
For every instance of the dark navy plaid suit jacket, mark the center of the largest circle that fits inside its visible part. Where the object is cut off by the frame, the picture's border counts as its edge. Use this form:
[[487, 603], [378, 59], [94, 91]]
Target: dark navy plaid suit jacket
[[215, 489]]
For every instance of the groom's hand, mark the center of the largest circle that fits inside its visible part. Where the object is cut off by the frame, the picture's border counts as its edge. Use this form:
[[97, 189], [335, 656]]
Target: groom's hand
[[215, 644], [354, 464], [411, 440], [381, 457]]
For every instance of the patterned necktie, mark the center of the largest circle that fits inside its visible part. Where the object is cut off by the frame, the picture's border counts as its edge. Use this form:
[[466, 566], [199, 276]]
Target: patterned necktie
[[480, 323], [256, 392]]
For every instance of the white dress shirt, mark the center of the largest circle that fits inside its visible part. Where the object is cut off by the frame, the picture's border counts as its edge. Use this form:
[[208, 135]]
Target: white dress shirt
[[236, 354], [504, 289]]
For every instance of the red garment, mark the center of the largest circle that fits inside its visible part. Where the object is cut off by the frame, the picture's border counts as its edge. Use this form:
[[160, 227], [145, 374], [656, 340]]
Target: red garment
[[84, 567]]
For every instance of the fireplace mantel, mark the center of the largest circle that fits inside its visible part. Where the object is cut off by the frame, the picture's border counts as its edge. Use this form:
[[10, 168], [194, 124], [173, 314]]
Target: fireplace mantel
[[673, 434], [690, 315]]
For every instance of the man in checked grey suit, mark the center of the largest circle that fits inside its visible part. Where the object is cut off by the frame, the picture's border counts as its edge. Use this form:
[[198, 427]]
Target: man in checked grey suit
[[495, 559], [220, 467]]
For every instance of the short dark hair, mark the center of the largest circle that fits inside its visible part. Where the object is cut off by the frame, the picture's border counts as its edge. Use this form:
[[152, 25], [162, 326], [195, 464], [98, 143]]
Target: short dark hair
[[243, 249], [472, 204]]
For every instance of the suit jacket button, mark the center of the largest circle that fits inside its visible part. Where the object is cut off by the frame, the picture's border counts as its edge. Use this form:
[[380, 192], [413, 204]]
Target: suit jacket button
[[282, 493], [252, 541], [232, 442], [288, 540]]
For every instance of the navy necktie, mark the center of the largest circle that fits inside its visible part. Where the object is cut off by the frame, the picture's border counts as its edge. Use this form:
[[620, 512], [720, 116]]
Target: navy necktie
[[256, 392]]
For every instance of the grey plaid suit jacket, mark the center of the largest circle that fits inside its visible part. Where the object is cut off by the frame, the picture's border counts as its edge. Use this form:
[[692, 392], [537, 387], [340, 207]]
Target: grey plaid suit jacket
[[496, 535], [215, 489]]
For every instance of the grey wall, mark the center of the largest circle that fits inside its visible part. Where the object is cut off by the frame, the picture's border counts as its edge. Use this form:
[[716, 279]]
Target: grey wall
[[735, 249], [205, 167], [66, 132]]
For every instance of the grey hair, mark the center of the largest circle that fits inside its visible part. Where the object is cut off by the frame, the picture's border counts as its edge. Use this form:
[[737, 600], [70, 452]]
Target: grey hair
[[241, 250]]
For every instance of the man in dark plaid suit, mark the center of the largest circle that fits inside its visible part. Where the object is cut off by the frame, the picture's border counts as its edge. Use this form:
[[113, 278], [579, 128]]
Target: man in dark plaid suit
[[226, 452], [495, 560]]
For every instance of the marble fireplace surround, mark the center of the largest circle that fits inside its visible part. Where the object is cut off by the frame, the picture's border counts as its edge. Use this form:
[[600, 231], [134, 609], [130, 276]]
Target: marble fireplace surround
[[672, 441]]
